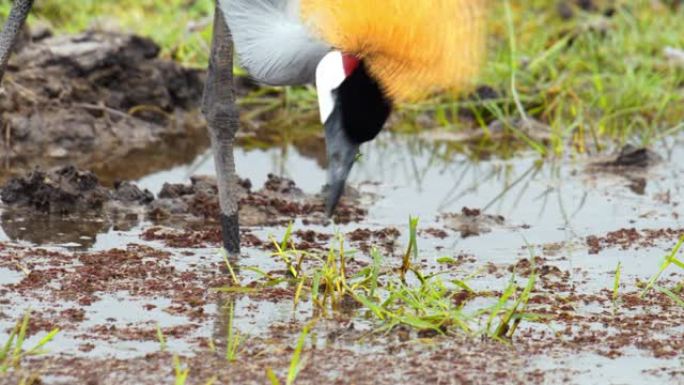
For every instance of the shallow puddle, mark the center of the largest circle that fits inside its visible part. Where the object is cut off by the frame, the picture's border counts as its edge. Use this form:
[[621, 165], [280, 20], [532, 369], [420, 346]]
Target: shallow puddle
[[484, 214]]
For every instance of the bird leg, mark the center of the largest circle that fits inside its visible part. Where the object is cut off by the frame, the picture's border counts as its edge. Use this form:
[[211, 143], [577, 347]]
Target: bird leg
[[9, 34], [220, 111]]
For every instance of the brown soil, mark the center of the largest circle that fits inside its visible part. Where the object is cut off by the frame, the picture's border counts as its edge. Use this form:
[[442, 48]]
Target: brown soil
[[94, 97], [631, 238]]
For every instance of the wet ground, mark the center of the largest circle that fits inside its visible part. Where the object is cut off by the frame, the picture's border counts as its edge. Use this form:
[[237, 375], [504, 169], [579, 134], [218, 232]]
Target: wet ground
[[110, 275], [114, 242]]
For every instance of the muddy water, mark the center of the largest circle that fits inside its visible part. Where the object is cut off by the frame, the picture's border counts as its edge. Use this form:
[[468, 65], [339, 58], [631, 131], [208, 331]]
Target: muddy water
[[552, 206]]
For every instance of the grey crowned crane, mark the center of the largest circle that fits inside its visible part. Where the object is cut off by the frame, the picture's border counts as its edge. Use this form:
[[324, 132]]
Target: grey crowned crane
[[364, 56]]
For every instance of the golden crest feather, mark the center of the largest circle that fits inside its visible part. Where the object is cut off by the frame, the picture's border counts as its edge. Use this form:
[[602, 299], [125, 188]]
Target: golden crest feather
[[414, 48]]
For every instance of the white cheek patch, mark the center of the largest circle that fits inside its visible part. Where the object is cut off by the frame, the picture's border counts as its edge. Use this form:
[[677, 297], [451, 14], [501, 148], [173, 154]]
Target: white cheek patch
[[329, 75]]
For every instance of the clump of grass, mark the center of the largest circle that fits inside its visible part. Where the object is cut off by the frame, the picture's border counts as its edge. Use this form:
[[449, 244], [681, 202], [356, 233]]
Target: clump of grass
[[670, 259], [13, 351], [329, 284], [513, 315], [427, 306], [424, 303], [288, 253]]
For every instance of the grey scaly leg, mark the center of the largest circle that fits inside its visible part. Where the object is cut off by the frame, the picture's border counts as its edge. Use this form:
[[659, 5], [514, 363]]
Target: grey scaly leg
[[218, 106], [16, 19]]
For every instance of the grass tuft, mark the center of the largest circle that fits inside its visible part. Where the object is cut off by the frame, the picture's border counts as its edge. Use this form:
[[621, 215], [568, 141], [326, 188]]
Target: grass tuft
[[670, 259], [13, 351]]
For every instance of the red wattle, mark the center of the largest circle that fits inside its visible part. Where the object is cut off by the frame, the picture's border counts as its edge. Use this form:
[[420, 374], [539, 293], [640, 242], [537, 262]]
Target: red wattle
[[350, 63]]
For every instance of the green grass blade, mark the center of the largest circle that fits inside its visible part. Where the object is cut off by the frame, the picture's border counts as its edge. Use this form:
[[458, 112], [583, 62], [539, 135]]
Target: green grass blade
[[296, 362], [181, 373], [161, 339], [286, 238], [375, 271], [43, 341], [316, 285], [666, 263], [462, 285], [376, 309], [233, 338], [234, 277], [21, 337], [272, 377], [616, 282], [510, 290], [671, 295], [4, 353]]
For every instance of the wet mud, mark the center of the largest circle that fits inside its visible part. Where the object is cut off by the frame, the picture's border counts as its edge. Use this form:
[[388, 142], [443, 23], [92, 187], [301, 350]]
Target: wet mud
[[163, 273], [184, 215], [92, 98]]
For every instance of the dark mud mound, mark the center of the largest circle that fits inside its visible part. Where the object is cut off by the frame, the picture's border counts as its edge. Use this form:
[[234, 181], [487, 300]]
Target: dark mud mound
[[629, 160], [68, 190], [95, 95], [62, 191], [67, 206], [42, 207]]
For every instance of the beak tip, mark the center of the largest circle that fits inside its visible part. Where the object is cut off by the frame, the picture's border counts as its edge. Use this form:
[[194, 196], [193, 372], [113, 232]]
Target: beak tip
[[334, 194]]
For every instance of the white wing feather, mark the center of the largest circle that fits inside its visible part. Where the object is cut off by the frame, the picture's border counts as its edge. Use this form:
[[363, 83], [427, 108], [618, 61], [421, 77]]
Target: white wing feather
[[271, 41]]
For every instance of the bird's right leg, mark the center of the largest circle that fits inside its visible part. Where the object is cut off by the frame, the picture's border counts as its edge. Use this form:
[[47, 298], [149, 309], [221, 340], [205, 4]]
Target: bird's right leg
[[9, 34], [218, 106]]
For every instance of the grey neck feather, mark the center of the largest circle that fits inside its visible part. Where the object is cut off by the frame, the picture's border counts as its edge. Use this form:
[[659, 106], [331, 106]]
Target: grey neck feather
[[272, 42]]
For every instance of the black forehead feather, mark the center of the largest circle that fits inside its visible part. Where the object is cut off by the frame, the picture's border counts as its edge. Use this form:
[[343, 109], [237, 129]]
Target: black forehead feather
[[363, 105]]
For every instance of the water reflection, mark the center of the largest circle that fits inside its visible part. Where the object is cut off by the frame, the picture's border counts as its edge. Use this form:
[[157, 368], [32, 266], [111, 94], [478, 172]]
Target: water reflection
[[408, 175]]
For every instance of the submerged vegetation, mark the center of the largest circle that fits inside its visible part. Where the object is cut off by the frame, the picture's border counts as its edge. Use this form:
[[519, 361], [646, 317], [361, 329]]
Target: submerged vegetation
[[560, 74]]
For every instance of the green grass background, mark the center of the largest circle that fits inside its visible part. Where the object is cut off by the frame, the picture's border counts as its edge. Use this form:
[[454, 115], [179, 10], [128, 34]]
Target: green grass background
[[592, 80]]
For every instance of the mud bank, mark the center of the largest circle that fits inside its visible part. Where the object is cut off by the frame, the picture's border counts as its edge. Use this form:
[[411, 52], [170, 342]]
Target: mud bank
[[94, 98]]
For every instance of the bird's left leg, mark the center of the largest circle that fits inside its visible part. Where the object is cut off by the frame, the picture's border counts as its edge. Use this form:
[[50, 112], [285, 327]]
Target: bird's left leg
[[9, 34], [218, 106]]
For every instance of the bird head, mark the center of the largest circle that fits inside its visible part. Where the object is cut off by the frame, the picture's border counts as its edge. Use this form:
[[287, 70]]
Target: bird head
[[353, 109], [389, 51]]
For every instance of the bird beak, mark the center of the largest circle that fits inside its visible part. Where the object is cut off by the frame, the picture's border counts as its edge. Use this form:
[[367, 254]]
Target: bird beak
[[341, 155]]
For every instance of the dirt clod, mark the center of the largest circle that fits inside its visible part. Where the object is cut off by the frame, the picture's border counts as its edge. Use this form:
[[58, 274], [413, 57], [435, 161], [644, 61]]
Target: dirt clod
[[472, 222], [62, 191]]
